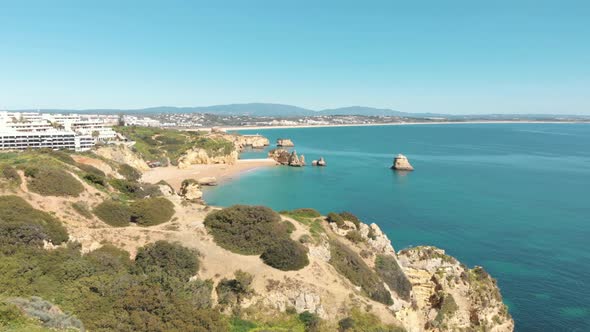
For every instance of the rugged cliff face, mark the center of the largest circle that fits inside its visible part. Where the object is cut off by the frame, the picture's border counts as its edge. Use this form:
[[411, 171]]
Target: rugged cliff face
[[242, 141], [201, 156], [122, 154]]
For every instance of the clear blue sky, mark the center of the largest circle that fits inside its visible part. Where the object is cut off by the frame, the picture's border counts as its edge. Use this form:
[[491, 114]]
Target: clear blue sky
[[450, 56]]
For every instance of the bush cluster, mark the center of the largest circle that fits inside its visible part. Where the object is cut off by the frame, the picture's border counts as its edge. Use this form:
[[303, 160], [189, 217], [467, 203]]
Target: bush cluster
[[285, 254], [11, 174], [21, 224], [351, 217], [303, 213], [48, 313], [49, 181], [172, 258], [145, 212], [114, 213], [359, 321], [134, 189], [389, 270], [129, 172], [350, 265], [333, 217], [108, 292], [232, 291], [355, 236], [257, 230], [82, 209], [151, 211]]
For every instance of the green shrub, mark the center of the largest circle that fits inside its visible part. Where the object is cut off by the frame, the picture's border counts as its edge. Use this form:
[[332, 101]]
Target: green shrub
[[113, 213], [286, 255], [20, 223], [355, 236], [109, 258], [350, 265], [289, 227], [50, 181], [135, 189], [129, 172], [91, 170], [60, 155], [351, 217], [82, 209], [245, 229], [365, 321], [233, 291], [171, 258], [95, 179], [335, 218], [389, 270], [311, 321], [151, 211], [304, 213], [11, 174]]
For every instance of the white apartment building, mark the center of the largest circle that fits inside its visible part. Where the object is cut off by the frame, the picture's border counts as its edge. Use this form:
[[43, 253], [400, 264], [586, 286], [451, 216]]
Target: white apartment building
[[32, 130]]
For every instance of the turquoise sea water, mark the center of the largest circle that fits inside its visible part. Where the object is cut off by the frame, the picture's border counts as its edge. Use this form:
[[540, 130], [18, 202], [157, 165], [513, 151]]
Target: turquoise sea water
[[514, 198]]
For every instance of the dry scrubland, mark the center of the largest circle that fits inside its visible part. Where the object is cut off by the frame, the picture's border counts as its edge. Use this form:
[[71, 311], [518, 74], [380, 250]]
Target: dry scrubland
[[84, 242]]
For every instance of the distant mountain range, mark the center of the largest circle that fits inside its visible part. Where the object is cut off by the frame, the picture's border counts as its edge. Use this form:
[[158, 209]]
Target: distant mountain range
[[281, 110]]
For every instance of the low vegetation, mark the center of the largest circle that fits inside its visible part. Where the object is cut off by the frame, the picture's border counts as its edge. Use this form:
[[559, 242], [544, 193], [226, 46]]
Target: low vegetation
[[47, 313], [144, 212], [21, 224], [10, 174], [285, 254], [355, 236], [351, 265], [114, 213], [232, 292], [169, 258], [389, 270], [52, 181], [308, 217], [151, 211], [134, 189], [82, 209], [106, 291], [129, 172], [256, 230], [359, 321]]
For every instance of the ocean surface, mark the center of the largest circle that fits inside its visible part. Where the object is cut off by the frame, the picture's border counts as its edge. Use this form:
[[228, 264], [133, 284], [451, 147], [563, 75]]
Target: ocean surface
[[514, 198]]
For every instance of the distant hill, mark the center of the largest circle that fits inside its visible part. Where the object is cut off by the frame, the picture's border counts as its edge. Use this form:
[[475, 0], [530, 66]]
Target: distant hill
[[282, 110]]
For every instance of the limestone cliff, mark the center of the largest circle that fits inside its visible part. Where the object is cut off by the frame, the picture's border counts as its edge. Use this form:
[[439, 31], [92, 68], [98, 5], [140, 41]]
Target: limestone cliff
[[242, 141], [200, 156], [122, 154]]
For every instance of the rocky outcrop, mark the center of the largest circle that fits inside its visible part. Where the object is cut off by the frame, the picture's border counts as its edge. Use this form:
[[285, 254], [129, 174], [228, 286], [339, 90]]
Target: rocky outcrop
[[199, 156], [292, 293], [449, 296], [207, 181], [401, 163], [287, 158], [190, 190], [285, 142], [242, 141], [296, 161], [320, 162], [122, 154]]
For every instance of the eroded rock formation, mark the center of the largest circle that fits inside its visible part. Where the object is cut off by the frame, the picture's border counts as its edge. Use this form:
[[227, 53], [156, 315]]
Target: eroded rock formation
[[401, 163], [285, 142], [200, 156], [190, 190], [320, 162]]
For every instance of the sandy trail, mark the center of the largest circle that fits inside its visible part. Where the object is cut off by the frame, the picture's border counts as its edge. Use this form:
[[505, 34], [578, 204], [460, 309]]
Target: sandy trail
[[223, 172]]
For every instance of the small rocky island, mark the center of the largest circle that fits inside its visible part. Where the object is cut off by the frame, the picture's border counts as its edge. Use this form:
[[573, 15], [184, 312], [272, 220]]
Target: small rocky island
[[285, 142], [401, 163], [320, 162], [287, 158]]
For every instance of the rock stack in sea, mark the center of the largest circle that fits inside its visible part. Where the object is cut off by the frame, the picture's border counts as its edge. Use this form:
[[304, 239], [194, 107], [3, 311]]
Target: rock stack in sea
[[296, 161], [285, 142], [401, 163], [287, 158], [320, 162]]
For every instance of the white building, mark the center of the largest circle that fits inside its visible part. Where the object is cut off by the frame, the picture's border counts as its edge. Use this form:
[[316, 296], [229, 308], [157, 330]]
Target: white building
[[24, 130]]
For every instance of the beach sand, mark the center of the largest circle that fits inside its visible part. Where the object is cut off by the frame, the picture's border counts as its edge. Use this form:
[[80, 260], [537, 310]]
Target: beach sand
[[223, 172]]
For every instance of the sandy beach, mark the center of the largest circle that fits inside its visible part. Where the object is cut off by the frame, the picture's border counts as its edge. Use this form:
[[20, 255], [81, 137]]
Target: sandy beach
[[223, 172], [234, 128]]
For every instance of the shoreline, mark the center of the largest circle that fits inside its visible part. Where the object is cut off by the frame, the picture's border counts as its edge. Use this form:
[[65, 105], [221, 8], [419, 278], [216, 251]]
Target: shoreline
[[222, 172], [236, 128]]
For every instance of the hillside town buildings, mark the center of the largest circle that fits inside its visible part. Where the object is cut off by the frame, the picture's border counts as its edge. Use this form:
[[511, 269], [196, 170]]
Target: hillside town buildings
[[35, 130]]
